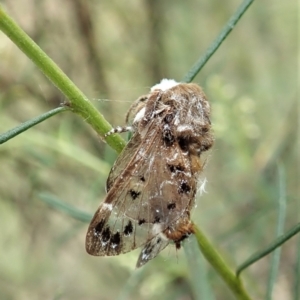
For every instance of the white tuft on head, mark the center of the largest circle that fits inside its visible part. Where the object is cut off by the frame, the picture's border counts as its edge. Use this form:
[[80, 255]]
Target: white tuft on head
[[165, 84]]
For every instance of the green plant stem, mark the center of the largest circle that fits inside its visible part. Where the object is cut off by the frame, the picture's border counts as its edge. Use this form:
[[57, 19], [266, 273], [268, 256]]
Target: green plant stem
[[4, 137], [191, 74], [78, 102], [65, 208], [260, 254], [297, 272], [275, 259], [214, 258]]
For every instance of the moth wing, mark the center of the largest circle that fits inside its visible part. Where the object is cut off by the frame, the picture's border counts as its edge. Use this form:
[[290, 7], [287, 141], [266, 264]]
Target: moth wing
[[153, 189], [151, 249], [123, 159]]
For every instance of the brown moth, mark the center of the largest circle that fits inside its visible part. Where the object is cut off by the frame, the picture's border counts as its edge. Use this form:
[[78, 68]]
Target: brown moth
[[152, 186]]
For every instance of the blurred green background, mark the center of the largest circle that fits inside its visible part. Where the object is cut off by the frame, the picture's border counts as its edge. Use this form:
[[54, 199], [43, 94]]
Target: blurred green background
[[114, 51]]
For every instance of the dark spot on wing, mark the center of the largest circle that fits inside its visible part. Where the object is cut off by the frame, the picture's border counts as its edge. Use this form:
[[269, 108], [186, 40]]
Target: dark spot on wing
[[142, 178], [168, 137], [169, 118], [105, 236], [158, 240], [171, 205], [99, 226], [141, 221], [134, 194], [183, 143], [149, 248], [115, 239], [184, 188], [156, 219], [128, 228], [174, 169]]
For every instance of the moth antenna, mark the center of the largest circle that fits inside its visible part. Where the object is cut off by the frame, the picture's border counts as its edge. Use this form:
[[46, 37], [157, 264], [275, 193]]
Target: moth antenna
[[118, 129]]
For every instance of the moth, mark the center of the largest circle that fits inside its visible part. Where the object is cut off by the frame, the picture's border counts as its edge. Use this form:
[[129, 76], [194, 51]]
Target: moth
[[152, 185]]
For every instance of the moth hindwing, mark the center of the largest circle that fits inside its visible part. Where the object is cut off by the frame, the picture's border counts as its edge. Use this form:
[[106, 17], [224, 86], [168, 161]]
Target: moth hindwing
[[151, 187]]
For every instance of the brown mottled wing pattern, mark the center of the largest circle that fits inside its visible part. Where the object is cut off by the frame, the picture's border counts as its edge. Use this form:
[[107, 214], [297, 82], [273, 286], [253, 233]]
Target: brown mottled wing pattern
[[141, 203], [123, 160], [152, 186]]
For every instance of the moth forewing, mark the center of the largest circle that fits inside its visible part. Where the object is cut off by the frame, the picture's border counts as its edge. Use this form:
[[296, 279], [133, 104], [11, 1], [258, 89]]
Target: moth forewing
[[152, 185], [123, 160]]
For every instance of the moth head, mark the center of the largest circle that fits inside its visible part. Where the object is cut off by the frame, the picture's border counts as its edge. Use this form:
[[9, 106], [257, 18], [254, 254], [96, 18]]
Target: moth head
[[136, 110]]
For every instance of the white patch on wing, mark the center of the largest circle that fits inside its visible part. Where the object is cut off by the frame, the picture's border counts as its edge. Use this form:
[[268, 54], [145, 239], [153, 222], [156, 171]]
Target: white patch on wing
[[156, 229], [165, 84], [107, 206]]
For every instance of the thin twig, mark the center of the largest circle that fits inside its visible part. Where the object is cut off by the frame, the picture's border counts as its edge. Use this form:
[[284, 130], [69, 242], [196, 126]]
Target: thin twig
[[4, 137], [218, 263], [260, 254], [191, 74], [79, 103], [275, 259]]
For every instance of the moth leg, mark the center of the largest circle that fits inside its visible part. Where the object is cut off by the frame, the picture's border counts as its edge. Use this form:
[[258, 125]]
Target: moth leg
[[119, 129], [151, 249]]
